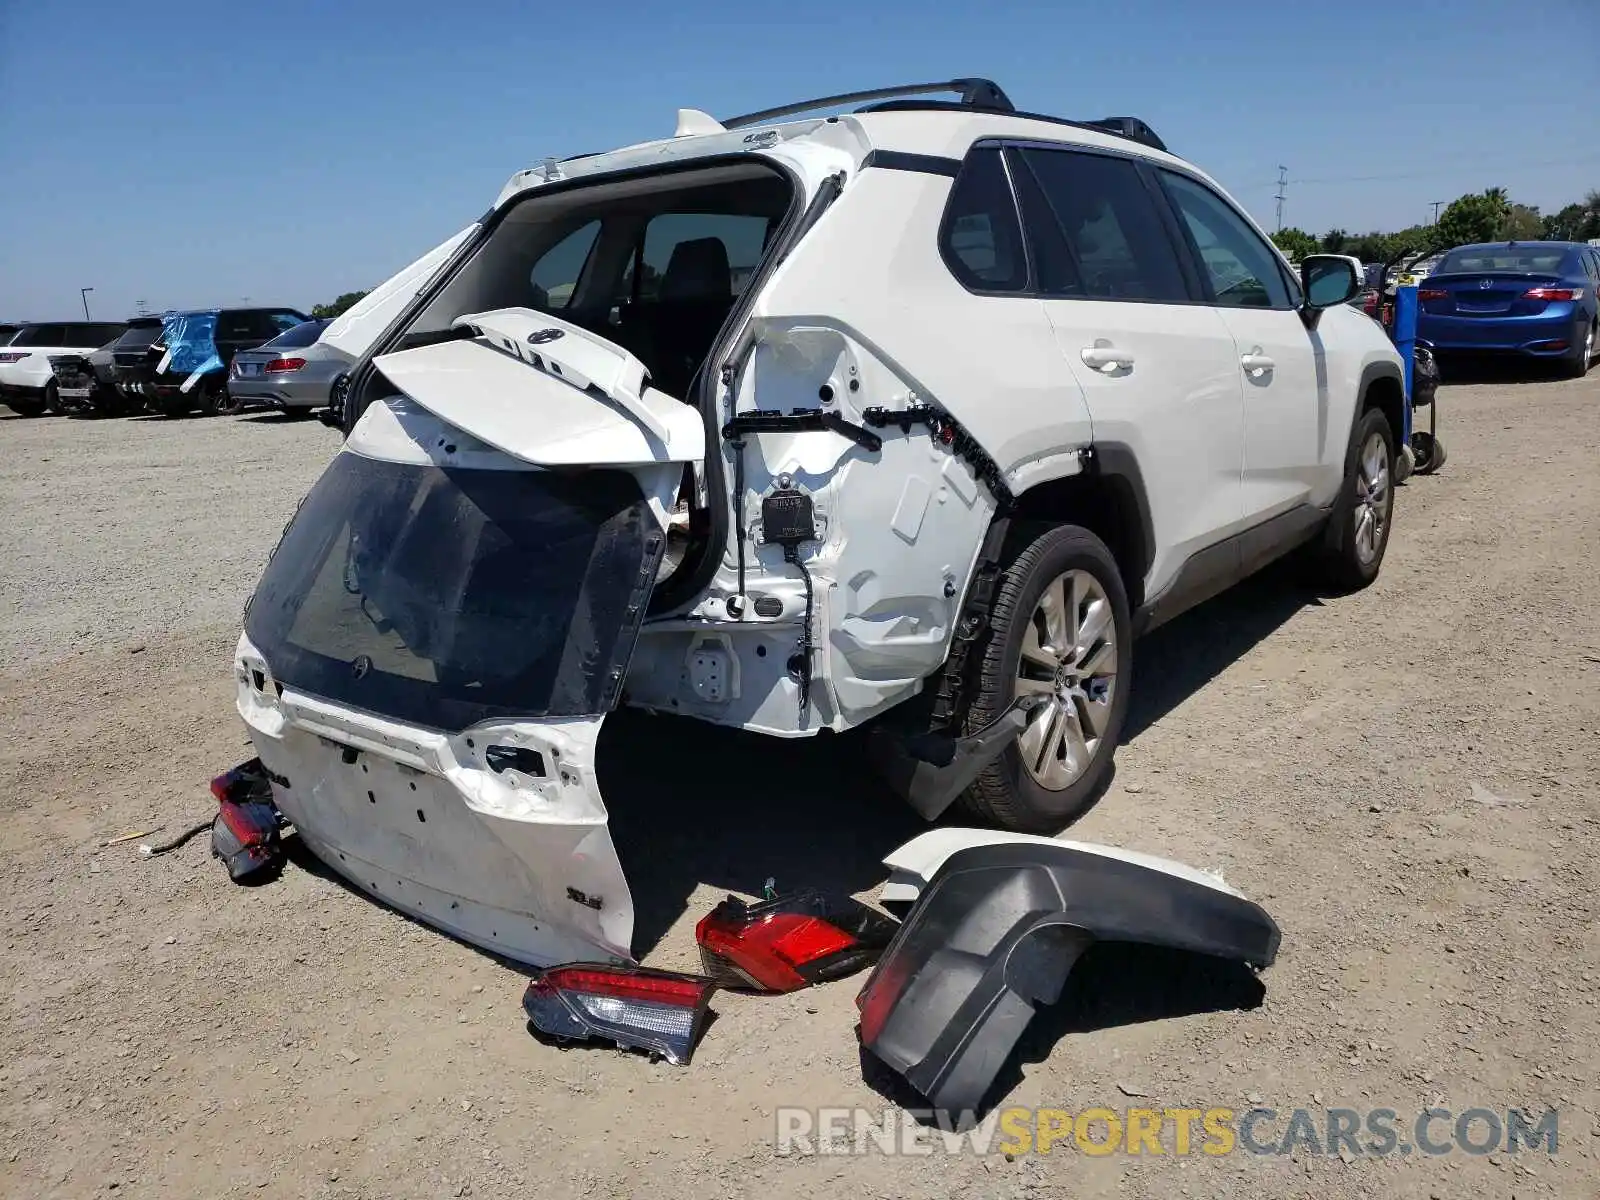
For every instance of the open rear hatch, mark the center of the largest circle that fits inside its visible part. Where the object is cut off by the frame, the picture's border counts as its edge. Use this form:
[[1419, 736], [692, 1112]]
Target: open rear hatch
[[435, 643]]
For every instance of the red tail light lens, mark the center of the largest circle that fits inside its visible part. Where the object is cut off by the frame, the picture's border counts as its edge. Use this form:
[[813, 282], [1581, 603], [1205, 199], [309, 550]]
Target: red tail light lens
[[278, 365], [1553, 293], [13, 357], [658, 1011], [789, 943], [1431, 293]]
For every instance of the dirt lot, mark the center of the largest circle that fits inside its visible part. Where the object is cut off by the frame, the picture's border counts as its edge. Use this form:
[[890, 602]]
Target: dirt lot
[[1407, 778]]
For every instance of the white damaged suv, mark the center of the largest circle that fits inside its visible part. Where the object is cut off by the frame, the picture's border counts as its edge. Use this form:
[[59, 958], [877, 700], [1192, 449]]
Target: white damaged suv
[[913, 416]]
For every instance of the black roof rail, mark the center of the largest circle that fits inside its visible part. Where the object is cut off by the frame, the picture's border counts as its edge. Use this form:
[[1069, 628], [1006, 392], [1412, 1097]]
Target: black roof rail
[[975, 93], [1131, 128]]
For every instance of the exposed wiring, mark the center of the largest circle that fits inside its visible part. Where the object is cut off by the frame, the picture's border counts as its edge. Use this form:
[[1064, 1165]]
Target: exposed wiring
[[148, 851], [792, 554]]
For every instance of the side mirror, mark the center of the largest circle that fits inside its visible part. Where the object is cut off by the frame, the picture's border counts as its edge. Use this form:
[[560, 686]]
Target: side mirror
[[1327, 281]]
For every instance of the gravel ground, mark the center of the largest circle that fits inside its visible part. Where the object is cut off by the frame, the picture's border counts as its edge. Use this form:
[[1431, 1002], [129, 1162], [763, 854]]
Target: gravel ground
[[1407, 778]]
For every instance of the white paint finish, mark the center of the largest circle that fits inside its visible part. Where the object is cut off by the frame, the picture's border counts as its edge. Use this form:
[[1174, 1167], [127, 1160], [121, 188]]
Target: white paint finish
[[990, 361], [1179, 408], [356, 329], [882, 622], [542, 417], [919, 860], [1286, 409], [494, 855]]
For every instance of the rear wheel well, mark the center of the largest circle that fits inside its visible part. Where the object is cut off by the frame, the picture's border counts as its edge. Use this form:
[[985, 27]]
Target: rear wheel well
[[1105, 503], [1386, 394]]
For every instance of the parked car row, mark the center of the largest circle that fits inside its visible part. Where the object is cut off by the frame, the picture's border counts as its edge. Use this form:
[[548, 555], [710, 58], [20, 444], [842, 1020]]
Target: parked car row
[[204, 360]]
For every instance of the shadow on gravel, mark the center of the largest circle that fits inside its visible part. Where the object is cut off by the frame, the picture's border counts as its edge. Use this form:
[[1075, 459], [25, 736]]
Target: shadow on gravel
[[273, 417], [1114, 983], [695, 804], [1182, 656], [1493, 369]]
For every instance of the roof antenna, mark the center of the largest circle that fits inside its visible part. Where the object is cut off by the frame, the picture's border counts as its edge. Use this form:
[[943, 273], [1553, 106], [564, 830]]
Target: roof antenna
[[692, 121]]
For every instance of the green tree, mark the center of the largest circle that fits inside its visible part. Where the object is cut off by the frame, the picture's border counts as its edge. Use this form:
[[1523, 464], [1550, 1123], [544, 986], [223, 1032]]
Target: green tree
[[1336, 241], [1565, 225], [1473, 218], [338, 306], [1296, 243], [1523, 224]]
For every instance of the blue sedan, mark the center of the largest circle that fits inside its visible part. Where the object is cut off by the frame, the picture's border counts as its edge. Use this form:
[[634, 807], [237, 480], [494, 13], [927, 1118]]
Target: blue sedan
[[1531, 298]]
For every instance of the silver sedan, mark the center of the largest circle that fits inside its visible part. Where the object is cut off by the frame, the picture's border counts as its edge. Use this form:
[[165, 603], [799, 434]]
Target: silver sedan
[[292, 372]]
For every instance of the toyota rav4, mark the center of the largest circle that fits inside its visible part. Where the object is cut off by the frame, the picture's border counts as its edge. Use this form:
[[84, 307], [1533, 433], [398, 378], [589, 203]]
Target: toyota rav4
[[910, 417]]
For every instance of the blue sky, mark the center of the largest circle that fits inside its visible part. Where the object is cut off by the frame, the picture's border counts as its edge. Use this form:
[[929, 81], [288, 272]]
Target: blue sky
[[191, 154]]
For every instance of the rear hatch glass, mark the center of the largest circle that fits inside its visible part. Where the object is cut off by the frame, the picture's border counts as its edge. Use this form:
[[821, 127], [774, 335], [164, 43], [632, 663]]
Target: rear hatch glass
[[447, 597]]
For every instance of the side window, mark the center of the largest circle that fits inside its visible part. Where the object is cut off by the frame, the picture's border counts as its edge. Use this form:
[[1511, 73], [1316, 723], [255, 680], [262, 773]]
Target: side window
[[1591, 260], [240, 326], [555, 276], [282, 322], [1242, 269], [981, 238], [1114, 238], [697, 256]]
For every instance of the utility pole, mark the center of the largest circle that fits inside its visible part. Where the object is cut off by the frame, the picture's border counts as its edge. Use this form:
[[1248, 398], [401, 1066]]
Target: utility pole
[[83, 294], [1283, 193], [1437, 205]]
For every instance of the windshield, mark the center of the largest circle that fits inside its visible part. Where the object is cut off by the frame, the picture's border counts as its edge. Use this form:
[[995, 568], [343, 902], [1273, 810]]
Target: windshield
[[301, 336], [1528, 259], [447, 597]]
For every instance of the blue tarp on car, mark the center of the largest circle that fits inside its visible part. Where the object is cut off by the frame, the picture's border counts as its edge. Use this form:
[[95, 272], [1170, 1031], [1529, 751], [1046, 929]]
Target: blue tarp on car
[[191, 342]]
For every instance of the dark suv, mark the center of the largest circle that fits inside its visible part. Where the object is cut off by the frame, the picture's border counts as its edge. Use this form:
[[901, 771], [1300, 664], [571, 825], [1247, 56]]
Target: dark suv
[[179, 361]]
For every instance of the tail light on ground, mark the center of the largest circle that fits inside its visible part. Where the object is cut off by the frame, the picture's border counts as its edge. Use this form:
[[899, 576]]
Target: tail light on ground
[[244, 834], [791, 942], [662, 1012], [279, 365]]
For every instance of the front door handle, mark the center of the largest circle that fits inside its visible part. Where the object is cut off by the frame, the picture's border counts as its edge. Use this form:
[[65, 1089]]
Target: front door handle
[[1107, 358], [1257, 364]]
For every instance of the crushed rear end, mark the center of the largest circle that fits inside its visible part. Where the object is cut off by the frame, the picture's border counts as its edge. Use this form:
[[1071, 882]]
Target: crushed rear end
[[435, 643]]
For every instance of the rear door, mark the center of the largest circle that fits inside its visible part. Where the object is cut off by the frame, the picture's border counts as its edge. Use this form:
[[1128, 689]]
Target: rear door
[[1289, 447], [1158, 367], [356, 329]]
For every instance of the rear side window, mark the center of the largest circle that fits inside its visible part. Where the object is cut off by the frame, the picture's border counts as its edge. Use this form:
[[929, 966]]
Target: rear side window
[[301, 336], [981, 239], [93, 334], [555, 276], [698, 256], [240, 327], [1115, 243], [41, 335], [1244, 272]]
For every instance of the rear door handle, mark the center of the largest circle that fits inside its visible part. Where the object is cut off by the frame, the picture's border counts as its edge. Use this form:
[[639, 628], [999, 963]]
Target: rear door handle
[[1256, 364], [1107, 358]]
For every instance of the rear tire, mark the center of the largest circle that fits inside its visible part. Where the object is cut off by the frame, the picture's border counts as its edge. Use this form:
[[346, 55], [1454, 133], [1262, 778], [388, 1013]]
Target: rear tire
[[1579, 367], [1059, 628], [1352, 549], [27, 408]]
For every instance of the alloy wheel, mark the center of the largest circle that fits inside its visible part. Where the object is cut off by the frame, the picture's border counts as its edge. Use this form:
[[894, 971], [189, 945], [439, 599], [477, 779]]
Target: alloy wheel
[[1373, 499], [1068, 661]]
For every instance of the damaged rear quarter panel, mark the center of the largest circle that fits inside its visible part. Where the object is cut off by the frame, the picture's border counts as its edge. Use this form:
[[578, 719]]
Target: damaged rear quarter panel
[[864, 314]]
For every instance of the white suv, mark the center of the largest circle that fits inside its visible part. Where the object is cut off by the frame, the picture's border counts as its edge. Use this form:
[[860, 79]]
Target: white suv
[[27, 378], [912, 417]]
